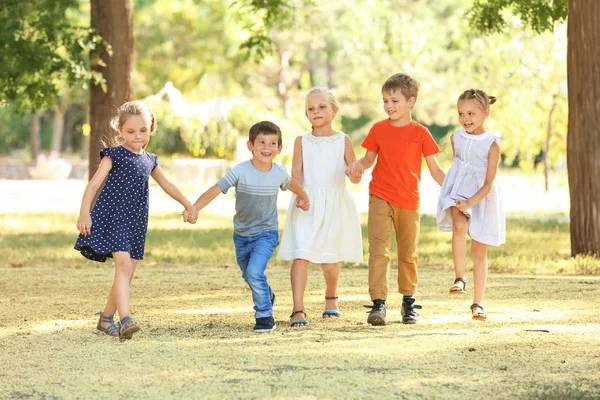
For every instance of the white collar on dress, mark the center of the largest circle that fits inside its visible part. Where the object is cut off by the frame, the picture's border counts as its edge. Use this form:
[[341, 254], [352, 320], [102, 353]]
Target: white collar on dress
[[483, 136]]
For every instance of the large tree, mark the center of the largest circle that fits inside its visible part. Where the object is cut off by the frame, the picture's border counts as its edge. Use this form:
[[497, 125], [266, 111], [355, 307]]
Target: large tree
[[583, 71], [113, 19]]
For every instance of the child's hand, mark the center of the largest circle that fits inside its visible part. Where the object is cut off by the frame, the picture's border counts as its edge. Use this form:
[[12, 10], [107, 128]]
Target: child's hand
[[462, 205], [302, 203], [84, 224], [355, 169], [190, 215]]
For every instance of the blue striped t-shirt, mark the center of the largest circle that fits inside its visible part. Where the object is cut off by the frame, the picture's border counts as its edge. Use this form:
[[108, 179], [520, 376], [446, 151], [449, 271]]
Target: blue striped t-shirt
[[255, 197]]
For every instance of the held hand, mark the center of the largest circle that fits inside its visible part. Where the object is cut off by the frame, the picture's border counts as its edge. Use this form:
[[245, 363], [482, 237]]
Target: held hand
[[462, 205], [303, 203], [190, 215], [84, 224], [355, 169]]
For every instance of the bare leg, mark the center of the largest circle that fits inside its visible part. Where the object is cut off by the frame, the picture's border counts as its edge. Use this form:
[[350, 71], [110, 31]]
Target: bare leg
[[331, 272], [479, 255], [299, 277], [118, 298], [460, 227]]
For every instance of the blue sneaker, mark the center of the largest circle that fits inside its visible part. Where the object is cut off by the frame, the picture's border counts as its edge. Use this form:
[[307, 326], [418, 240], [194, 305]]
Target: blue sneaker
[[266, 324]]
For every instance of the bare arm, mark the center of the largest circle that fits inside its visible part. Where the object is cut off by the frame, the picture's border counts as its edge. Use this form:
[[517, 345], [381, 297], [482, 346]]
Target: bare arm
[[206, 197], [297, 160], [437, 173], [190, 213], [350, 157], [301, 196], [490, 177], [84, 222]]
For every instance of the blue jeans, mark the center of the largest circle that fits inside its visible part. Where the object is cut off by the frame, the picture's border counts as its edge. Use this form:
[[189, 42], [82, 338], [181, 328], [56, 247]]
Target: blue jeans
[[253, 253]]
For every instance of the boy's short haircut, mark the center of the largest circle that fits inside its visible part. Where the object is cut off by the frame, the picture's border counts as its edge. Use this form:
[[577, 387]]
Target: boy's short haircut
[[266, 128], [403, 82]]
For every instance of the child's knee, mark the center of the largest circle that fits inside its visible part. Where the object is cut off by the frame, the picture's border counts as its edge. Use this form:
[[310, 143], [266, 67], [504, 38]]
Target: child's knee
[[254, 276], [460, 225]]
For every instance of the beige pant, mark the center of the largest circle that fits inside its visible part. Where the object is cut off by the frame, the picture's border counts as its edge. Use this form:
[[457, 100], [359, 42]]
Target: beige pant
[[382, 215]]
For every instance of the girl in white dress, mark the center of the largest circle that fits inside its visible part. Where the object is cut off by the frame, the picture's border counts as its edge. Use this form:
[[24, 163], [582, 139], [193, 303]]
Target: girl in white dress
[[470, 200], [330, 231]]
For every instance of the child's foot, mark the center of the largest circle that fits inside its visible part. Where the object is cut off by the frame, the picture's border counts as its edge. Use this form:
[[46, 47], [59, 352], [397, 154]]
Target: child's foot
[[377, 314], [477, 312], [458, 287], [265, 324], [107, 326], [298, 318], [331, 307], [128, 328], [409, 315]]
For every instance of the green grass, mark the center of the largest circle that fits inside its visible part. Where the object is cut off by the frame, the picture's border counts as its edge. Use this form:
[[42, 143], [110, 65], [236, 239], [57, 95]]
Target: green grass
[[534, 246]]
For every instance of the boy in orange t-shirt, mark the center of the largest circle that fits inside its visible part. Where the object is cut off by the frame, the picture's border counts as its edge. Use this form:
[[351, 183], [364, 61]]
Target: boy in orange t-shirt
[[398, 143]]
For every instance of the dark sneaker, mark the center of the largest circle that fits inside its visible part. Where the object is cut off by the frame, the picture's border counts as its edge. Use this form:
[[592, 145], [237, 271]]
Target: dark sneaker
[[266, 324], [272, 299], [409, 315], [377, 314]]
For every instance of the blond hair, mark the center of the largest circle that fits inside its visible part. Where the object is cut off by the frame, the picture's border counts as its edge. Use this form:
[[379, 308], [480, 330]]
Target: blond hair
[[327, 93], [130, 109], [479, 96]]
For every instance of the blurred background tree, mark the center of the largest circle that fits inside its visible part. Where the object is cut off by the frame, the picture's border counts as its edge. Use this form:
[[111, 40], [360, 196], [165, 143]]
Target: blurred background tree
[[583, 58], [258, 59]]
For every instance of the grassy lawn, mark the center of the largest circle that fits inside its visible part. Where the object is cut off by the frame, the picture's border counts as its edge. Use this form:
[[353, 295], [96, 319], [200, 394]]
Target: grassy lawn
[[540, 340]]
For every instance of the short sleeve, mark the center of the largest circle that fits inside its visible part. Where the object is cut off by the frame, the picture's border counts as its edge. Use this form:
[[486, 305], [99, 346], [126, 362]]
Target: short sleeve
[[370, 142], [286, 178], [430, 147], [108, 151], [230, 179], [154, 161]]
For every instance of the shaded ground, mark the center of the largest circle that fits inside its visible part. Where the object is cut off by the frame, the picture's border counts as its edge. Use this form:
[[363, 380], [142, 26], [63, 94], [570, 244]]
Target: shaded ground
[[541, 339]]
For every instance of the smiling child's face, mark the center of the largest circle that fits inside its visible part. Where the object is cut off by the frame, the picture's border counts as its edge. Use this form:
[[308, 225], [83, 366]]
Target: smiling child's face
[[471, 116], [265, 147]]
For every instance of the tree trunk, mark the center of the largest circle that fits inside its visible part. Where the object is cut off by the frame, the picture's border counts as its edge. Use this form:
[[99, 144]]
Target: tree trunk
[[583, 138], [114, 21], [35, 126], [58, 128], [547, 146]]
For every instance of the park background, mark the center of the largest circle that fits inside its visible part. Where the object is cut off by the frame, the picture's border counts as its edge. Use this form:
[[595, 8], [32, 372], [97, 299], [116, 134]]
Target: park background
[[209, 70]]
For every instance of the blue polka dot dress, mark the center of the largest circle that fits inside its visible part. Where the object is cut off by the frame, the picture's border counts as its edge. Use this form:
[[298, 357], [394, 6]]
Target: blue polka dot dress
[[120, 215]]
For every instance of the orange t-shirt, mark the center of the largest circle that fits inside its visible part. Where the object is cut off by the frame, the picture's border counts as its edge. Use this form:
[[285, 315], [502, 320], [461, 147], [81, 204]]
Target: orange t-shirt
[[397, 174]]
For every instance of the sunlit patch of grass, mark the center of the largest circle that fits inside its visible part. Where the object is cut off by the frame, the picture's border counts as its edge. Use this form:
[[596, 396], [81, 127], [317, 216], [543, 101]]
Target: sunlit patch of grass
[[534, 245]]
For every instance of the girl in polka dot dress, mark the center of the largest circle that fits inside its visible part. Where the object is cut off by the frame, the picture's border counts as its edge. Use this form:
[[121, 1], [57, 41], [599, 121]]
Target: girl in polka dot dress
[[117, 224]]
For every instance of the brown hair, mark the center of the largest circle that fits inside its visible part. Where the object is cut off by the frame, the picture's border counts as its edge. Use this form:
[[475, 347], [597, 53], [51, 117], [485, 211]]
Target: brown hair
[[402, 82], [479, 96], [266, 128]]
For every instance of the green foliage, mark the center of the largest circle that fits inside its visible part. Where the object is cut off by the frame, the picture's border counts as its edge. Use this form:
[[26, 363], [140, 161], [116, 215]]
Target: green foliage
[[43, 48], [496, 16], [258, 17], [14, 132]]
